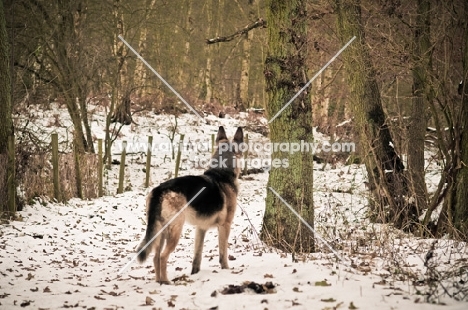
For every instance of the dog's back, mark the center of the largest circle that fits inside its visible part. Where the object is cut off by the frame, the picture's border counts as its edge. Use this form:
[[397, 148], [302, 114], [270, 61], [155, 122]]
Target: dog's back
[[214, 206]]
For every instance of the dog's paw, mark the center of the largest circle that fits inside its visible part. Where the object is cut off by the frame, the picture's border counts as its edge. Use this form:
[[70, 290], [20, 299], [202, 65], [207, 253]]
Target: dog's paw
[[167, 282], [195, 270]]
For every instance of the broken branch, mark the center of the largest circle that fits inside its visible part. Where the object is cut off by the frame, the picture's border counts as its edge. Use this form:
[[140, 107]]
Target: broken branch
[[257, 24]]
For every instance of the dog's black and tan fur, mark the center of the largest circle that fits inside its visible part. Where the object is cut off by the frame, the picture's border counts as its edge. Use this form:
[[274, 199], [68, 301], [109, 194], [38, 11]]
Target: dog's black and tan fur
[[214, 207]]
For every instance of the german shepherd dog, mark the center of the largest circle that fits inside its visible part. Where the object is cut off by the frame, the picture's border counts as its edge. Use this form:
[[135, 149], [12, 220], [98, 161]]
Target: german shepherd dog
[[213, 207]]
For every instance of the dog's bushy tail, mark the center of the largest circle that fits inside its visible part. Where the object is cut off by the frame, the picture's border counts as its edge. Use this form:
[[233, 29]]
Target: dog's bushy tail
[[153, 209]]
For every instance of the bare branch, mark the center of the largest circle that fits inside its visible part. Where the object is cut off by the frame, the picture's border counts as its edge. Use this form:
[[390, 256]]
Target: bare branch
[[259, 23]]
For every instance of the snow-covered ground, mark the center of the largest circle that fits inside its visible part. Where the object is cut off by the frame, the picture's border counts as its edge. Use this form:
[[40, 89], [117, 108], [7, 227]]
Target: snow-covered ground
[[71, 255]]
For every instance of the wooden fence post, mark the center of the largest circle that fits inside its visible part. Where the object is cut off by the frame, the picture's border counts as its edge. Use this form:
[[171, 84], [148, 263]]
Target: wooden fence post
[[246, 153], [108, 149], [122, 167], [179, 152], [148, 160], [55, 167], [100, 169]]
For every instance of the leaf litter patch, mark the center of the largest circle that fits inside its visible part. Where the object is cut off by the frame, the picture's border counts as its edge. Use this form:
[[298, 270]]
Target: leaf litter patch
[[249, 286]]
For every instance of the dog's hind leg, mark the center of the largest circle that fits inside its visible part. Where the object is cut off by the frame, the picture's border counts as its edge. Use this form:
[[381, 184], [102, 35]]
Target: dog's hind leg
[[173, 235], [223, 236], [158, 245], [199, 240]]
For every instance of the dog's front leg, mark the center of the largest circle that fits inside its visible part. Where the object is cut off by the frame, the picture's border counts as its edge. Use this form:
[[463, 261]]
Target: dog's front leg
[[223, 236], [199, 240]]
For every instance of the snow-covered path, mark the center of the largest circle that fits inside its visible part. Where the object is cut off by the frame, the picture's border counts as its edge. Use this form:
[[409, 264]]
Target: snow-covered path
[[69, 255]]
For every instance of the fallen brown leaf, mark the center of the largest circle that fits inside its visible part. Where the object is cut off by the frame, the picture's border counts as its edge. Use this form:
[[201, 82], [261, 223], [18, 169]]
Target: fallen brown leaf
[[149, 301], [322, 283], [25, 303], [331, 299]]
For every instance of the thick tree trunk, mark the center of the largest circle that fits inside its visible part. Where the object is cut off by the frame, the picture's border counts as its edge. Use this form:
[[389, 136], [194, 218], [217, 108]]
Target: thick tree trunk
[[6, 124], [121, 113], [417, 130], [292, 178], [384, 167], [460, 203]]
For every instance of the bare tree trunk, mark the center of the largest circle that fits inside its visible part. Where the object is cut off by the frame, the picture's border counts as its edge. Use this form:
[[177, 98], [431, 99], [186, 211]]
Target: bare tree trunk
[[6, 124], [185, 78], [84, 118], [121, 113], [384, 166], [141, 70], [460, 203], [108, 137], [207, 79], [245, 73], [207, 88], [80, 142], [321, 98], [81, 87], [417, 129], [71, 81]]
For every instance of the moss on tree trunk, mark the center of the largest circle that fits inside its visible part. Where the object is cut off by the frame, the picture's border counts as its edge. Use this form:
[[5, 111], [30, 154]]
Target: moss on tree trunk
[[293, 179], [6, 126]]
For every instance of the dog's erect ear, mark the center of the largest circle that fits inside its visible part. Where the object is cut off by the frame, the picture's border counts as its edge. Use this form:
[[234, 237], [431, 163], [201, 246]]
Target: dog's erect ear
[[239, 136], [221, 134]]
